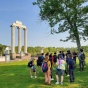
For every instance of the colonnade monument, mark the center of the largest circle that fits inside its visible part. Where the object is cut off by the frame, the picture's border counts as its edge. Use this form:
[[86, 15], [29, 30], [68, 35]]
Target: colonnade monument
[[19, 26]]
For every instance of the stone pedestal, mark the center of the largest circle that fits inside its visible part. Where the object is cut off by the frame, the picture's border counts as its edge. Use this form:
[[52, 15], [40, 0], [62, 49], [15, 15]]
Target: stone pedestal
[[7, 57], [13, 56], [21, 54]]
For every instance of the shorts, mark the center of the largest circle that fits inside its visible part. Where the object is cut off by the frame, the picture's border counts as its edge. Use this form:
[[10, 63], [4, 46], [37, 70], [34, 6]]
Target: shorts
[[59, 72], [33, 69]]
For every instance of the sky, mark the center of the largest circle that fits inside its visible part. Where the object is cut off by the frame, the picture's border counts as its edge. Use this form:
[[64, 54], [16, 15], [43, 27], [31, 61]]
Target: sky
[[38, 32]]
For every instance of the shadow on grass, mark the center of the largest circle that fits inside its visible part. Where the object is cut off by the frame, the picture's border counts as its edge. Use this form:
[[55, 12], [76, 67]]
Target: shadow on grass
[[18, 76]]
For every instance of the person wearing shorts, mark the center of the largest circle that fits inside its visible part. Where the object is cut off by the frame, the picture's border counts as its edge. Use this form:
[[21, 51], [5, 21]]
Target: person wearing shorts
[[60, 71], [32, 68]]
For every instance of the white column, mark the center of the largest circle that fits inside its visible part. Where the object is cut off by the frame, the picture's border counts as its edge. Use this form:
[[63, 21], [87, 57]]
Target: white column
[[41, 50], [12, 39], [19, 39], [25, 40]]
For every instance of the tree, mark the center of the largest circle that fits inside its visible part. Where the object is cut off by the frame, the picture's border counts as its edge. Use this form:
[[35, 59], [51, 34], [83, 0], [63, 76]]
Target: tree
[[69, 15]]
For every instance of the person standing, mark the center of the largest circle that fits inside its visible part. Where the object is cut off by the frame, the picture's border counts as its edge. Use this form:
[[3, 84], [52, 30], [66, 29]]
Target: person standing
[[60, 55], [40, 60], [71, 68], [60, 71], [62, 52], [81, 57], [50, 59], [54, 59], [48, 72], [67, 70], [74, 56]]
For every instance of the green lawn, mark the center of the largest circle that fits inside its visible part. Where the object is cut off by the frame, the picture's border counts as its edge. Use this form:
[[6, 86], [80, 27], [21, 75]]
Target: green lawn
[[16, 75]]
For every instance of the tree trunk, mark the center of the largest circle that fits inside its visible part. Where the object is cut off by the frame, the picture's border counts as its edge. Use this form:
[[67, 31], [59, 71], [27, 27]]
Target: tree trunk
[[77, 39]]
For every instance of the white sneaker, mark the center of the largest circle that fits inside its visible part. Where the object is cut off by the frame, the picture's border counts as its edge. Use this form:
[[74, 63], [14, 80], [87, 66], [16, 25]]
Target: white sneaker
[[31, 76], [35, 76], [57, 83], [67, 75], [52, 79]]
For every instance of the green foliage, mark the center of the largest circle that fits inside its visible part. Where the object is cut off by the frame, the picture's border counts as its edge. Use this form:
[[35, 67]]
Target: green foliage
[[36, 50], [67, 15], [2, 48]]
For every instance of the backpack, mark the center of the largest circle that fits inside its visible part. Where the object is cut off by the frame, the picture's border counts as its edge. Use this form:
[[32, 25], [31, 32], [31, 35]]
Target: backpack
[[40, 60], [45, 67], [30, 64], [73, 64], [82, 56]]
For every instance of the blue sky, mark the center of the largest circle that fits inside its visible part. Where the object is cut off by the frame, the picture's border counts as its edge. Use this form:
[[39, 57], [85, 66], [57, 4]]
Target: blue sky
[[38, 31]]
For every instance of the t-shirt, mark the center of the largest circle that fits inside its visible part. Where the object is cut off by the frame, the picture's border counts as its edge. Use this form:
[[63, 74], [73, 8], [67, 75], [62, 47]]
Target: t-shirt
[[61, 64], [69, 63]]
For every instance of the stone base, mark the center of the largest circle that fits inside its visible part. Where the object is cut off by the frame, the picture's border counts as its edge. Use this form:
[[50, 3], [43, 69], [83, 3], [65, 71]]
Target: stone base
[[13, 56], [7, 57]]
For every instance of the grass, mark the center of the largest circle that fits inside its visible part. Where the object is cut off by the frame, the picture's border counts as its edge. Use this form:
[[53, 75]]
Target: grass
[[16, 75]]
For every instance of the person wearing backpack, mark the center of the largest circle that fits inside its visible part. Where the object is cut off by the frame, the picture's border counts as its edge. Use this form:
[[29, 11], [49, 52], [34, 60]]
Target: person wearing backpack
[[67, 70], [81, 59], [60, 55], [47, 72], [40, 60], [71, 68], [50, 59], [60, 71], [31, 65]]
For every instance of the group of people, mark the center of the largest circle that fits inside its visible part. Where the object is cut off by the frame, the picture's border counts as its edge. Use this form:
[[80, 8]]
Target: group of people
[[63, 64]]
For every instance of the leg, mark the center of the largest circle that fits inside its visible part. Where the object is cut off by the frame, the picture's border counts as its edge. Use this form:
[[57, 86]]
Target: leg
[[45, 77], [82, 65], [62, 76], [34, 70], [51, 70], [57, 78], [49, 76], [62, 79], [70, 76], [67, 70], [30, 72], [73, 78]]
